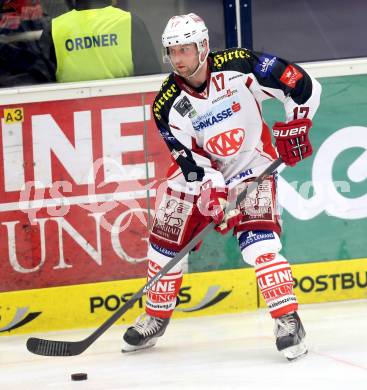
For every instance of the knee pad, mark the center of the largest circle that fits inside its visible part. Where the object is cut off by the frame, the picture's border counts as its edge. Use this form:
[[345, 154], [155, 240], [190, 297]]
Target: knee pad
[[256, 243]]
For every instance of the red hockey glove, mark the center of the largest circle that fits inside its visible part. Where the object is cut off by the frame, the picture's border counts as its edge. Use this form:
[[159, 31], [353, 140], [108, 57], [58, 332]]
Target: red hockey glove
[[291, 140], [212, 203]]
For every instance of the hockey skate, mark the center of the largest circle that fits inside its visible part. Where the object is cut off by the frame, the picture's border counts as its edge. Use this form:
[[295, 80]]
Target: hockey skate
[[144, 333], [289, 333]]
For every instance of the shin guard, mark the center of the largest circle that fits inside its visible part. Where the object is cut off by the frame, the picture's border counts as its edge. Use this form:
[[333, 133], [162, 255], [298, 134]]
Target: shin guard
[[161, 298], [274, 278]]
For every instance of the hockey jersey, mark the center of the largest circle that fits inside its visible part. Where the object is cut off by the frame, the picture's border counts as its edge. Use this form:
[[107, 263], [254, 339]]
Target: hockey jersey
[[218, 132]]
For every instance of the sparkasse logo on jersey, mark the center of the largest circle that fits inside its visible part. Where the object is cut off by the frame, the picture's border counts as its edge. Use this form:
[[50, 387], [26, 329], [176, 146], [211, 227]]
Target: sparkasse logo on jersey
[[218, 114], [227, 143]]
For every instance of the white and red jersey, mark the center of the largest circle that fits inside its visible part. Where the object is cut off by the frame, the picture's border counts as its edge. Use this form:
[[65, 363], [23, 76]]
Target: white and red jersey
[[217, 132]]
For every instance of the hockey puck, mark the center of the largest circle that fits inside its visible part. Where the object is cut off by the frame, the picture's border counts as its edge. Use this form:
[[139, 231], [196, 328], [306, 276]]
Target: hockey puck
[[80, 376]]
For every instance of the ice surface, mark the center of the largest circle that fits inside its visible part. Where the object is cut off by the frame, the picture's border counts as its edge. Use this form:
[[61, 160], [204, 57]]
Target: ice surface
[[235, 351]]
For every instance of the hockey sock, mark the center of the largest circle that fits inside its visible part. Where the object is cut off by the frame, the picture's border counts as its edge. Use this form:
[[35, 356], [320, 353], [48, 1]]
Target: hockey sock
[[161, 298], [274, 278]]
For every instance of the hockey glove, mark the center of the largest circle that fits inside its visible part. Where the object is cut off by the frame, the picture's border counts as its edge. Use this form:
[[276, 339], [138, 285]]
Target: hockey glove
[[291, 140], [212, 203]]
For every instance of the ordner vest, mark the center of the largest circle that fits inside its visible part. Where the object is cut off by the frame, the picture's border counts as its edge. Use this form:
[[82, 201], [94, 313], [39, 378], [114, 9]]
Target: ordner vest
[[93, 44]]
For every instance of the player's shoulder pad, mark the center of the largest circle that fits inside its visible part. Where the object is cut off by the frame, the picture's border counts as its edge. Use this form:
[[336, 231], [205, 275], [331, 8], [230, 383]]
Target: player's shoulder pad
[[236, 59], [165, 97]]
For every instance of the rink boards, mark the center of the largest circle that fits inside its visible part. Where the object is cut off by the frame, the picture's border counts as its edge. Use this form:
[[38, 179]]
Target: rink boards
[[79, 162], [201, 294]]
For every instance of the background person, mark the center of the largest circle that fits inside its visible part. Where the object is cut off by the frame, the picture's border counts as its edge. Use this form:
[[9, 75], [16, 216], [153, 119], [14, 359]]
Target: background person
[[95, 41]]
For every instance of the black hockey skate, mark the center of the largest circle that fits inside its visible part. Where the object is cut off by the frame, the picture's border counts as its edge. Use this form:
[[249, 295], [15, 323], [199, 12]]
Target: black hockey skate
[[144, 333], [289, 333]]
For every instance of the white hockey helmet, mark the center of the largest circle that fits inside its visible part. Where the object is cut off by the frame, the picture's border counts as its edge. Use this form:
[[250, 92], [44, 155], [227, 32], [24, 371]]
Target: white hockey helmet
[[183, 30]]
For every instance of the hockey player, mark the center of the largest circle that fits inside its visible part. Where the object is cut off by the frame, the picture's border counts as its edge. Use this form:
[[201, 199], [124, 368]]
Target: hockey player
[[209, 113]]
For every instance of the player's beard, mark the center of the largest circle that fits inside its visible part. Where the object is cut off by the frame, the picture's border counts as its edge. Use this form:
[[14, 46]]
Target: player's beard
[[187, 71]]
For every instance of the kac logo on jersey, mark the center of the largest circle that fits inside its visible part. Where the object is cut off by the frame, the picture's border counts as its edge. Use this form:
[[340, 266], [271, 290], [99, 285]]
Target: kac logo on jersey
[[227, 143], [265, 65]]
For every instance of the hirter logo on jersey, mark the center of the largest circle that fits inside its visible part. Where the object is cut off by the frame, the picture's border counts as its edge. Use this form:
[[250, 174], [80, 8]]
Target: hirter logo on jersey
[[290, 76], [227, 143]]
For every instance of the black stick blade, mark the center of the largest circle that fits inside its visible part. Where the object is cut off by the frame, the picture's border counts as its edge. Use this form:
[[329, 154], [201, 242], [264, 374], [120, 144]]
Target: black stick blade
[[50, 347]]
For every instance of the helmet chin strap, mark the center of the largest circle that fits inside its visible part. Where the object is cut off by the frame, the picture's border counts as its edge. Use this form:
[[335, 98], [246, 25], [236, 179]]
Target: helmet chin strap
[[201, 63]]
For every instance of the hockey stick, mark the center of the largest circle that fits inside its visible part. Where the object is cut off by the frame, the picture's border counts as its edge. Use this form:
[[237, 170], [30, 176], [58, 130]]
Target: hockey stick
[[72, 348]]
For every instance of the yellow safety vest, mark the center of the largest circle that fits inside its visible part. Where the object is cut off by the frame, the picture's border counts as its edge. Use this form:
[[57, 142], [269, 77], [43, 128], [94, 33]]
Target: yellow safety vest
[[93, 44]]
